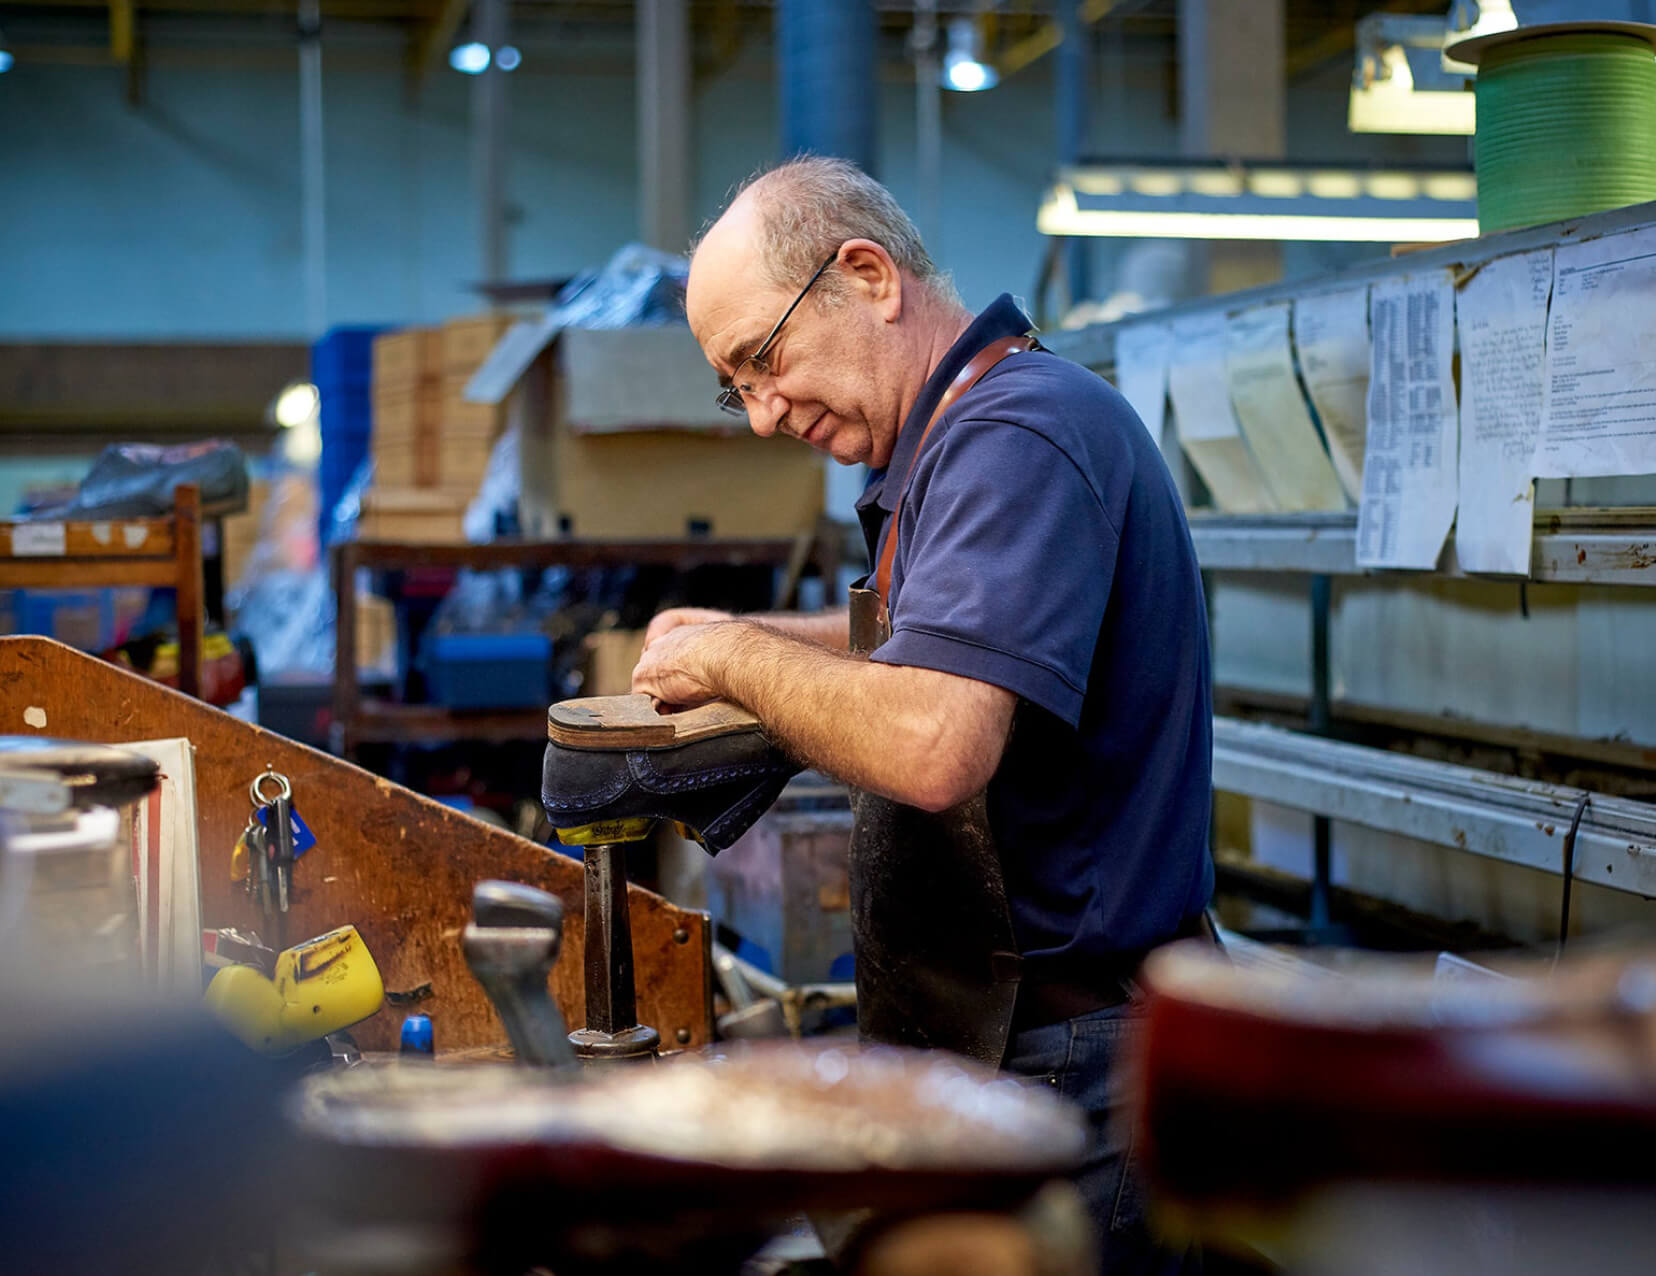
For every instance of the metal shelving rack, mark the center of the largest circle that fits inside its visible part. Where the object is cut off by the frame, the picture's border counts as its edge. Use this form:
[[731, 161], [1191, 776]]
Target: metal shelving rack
[[358, 721], [1517, 821]]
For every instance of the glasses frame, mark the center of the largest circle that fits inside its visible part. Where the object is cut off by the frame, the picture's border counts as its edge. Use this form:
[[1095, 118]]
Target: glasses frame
[[730, 398]]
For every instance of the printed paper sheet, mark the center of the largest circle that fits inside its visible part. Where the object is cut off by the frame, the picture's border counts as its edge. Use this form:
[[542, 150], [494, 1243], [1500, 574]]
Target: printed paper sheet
[[1502, 317], [1331, 336], [1141, 354], [1259, 371], [1208, 430], [1598, 410], [1410, 461]]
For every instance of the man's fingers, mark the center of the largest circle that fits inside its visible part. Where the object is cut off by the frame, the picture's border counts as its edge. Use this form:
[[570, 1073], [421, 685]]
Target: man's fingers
[[674, 617]]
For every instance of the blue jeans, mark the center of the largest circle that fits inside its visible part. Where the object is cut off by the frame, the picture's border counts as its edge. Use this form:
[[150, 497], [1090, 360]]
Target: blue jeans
[[1080, 1059]]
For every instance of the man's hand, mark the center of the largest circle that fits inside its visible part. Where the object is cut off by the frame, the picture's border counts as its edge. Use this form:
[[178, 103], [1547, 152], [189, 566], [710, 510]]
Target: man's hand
[[676, 617], [677, 665]]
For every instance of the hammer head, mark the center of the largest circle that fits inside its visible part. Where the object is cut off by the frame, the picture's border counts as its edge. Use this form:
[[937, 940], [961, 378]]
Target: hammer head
[[515, 904]]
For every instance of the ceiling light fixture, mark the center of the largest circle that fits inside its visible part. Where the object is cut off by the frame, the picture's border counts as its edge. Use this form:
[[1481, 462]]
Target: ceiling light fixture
[[1401, 83], [1271, 201], [296, 404], [470, 59], [508, 58], [964, 69]]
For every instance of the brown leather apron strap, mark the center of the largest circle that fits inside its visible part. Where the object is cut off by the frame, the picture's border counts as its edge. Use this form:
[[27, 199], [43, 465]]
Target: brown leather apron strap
[[968, 376]]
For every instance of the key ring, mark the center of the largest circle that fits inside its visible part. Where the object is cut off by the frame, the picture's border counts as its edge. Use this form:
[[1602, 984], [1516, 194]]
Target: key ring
[[256, 789]]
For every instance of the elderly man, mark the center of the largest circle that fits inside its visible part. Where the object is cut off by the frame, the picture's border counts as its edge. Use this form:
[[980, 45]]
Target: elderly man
[[1020, 698]]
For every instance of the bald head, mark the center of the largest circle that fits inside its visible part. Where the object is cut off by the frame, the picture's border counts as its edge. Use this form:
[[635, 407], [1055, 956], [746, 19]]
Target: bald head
[[799, 212]]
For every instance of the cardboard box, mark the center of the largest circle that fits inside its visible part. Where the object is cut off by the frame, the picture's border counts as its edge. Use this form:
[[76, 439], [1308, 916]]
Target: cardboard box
[[407, 357], [611, 656], [684, 470], [376, 634], [467, 340], [413, 515]]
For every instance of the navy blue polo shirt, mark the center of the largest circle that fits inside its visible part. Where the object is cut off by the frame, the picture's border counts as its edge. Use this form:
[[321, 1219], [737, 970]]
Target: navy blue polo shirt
[[1043, 548]]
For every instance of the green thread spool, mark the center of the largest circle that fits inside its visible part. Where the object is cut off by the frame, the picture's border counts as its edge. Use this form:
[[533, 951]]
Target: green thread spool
[[1566, 121]]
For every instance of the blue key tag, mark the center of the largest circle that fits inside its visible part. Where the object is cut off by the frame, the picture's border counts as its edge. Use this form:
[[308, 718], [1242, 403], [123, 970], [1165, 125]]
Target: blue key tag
[[303, 838]]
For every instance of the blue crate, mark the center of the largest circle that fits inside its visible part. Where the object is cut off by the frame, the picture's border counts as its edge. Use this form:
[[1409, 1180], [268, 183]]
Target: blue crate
[[344, 358], [35, 611], [489, 671]]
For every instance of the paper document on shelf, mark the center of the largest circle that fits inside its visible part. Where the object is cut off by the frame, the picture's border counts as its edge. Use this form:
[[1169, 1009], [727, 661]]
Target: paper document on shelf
[[1598, 407], [1332, 338], [1208, 431], [1501, 313], [1141, 353], [1409, 463], [1259, 371]]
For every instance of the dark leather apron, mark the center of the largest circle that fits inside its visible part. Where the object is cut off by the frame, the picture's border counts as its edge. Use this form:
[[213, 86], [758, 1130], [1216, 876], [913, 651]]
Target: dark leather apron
[[937, 963]]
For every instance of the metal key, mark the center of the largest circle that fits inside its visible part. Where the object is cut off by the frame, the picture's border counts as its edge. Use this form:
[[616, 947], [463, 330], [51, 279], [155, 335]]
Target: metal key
[[281, 848]]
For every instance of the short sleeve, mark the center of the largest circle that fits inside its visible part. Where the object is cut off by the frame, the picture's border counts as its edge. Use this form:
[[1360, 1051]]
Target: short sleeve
[[1005, 559]]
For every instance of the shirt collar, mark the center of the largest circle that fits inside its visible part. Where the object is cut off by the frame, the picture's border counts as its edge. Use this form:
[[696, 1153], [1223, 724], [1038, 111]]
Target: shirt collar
[[1003, 318]]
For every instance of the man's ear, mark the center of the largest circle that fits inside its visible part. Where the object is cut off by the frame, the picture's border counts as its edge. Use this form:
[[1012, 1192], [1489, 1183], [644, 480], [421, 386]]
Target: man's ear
[[873, 276]]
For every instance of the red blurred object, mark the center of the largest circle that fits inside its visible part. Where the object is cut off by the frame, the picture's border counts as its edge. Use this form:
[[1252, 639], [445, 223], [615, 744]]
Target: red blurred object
[[225, 665]]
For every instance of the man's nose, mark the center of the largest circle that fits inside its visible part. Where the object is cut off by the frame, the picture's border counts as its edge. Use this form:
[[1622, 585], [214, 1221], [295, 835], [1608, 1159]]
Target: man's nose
[[765, 412]]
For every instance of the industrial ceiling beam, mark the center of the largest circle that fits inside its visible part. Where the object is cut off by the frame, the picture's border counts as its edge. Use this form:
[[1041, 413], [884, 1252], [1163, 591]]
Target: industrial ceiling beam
[[1342, 40], [429, 42], [122, 20], [408, 10], [1032, 48]]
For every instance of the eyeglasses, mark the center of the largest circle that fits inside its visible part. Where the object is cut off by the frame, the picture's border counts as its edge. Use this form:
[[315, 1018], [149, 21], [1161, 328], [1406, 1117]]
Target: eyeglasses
[[730, 398]]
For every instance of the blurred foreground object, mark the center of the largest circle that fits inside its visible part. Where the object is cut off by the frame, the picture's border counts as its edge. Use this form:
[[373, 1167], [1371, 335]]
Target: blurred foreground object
[[697, 1160], [139, 1136], [1379, 1119], [68, 901]]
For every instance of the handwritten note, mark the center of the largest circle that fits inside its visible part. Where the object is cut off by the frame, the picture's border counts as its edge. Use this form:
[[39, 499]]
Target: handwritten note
[[1332, 338], [1598, 409], [1409, 463], [1208, 430], [1259, 370], [1141, 353], [1502, 316]]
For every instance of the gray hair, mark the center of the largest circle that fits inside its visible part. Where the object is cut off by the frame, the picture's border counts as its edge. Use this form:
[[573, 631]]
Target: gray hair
[[810, 205]]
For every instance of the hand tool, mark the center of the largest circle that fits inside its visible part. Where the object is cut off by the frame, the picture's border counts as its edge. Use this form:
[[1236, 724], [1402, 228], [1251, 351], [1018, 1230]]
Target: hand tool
[[319, 987], [511, 944]]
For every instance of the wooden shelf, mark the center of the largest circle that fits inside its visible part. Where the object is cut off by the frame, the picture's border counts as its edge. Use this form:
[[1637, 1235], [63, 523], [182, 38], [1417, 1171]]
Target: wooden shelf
[[357, 721], [384, 722], [92, 553]]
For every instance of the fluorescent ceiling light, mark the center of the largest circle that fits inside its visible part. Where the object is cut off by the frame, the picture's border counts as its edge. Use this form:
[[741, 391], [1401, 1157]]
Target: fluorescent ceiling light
[[964, 69], [1401, 83], [1276, 201], [470, 59], [1277, 227]]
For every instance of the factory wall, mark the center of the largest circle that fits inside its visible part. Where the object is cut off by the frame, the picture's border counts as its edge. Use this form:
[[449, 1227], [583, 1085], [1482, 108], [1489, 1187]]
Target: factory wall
[[179, 218]]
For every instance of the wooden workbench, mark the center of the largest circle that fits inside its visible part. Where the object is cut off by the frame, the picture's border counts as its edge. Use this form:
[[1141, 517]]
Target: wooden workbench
[[398, 866]]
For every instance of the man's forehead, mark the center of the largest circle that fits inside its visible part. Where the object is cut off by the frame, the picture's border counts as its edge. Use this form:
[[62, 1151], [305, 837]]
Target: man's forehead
[[727, 301]]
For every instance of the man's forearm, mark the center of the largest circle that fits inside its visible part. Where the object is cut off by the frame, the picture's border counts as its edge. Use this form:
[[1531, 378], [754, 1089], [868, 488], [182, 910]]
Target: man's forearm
[[829, 628], [893, 730]]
